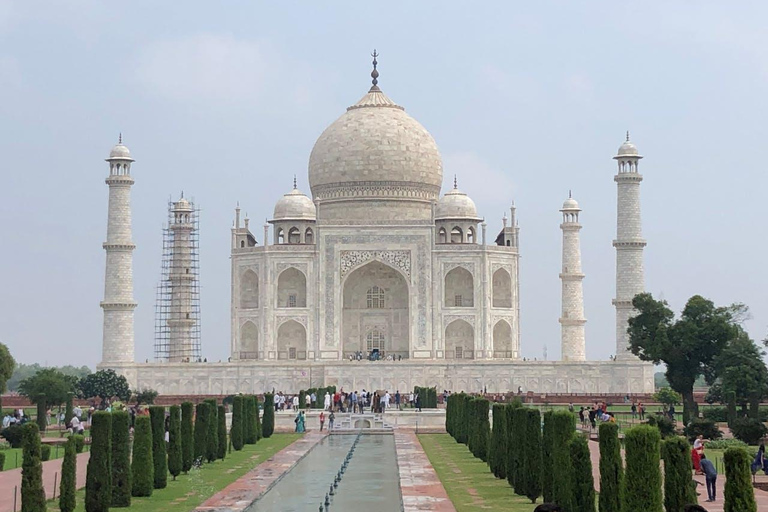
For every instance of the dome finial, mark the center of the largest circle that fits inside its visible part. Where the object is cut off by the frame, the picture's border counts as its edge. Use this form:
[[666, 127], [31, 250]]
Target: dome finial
[[455, 182], [294, 182], [374, 73], [120, 138], [627, 135], [570, 196]]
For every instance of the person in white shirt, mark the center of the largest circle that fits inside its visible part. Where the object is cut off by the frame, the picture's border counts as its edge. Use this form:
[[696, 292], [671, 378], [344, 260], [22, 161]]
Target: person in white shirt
[[308, 401], [276, 400], [295, 402], [698, 444], [77, 426], [327, 401]]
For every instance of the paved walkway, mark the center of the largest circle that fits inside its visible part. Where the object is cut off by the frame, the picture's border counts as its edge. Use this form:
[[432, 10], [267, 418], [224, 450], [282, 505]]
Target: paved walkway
[[10, 481], [419, 483], [245, 490]]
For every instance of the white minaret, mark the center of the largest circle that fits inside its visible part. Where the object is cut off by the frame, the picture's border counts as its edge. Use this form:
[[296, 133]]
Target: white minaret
[[182, 280], [629, 243], [118, 303], [572, 320]]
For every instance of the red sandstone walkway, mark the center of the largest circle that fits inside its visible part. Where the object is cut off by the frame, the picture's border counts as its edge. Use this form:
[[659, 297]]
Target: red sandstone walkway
[[419, 484], [10, 481], [246, 489]]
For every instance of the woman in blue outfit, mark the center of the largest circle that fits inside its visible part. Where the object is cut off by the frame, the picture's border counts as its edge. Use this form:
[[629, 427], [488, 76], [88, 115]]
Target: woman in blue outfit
[[300, 422]]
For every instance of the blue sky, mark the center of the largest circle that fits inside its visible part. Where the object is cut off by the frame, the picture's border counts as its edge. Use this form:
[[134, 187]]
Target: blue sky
[[525, 100]]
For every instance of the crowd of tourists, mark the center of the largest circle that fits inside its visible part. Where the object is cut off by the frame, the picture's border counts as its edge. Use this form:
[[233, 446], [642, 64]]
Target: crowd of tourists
[[377, 402]]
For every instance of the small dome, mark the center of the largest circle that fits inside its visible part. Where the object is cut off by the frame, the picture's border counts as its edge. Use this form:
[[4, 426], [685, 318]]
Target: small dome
[[295, 205], [120, 151], [182, 204], [628, 149], [570, 204], [456, 205]]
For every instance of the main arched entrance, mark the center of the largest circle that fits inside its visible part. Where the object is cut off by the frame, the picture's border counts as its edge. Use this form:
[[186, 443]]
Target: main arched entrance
[[375, 314]]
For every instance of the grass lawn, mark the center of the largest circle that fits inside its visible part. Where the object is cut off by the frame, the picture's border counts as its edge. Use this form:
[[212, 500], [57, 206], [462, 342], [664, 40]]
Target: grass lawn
[[13, 455], [189, 491], [469, 483]]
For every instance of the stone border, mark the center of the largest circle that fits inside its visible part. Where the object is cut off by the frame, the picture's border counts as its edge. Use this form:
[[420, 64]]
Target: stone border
[[420, 487], [240, 494]]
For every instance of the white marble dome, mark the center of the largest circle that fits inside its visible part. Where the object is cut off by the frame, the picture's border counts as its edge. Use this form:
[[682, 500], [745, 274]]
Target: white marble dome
[[570, 204], [455, 204], [120, 151], [628, 149], [295, 205], [375, 149]]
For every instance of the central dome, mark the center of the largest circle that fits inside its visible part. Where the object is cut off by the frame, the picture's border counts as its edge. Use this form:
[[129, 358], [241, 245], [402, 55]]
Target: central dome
[[375, 150]]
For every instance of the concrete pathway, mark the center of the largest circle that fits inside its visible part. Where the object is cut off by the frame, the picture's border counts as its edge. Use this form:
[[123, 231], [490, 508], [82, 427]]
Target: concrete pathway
[[245, 490], [10, 481], [420, 486]]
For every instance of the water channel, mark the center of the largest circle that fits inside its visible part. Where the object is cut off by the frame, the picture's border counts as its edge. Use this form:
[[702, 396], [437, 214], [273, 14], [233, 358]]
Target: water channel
[[371, 476]]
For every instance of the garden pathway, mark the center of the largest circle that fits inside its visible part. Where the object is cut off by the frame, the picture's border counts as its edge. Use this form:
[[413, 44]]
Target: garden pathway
[[419, 484], [10, 481]]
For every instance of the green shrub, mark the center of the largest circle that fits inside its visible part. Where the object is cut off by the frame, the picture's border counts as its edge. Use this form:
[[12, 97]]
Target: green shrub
[[515, 464], [222, 432], [748, 430], [582, 483], [268, 423], [212, 439], [13, 434], [642, 481], [79, 442], [563, 427], [187, 436], [531, 456], [42, 415], [32, 492], [121, 459], [98, 483], [723, 444], [175, 456], [159, 459], [679, 487], [236, 431], [739, 493], [45, 452], [663, 424], [249, 432], [611, 470], [704, 427], [717, 414], [547, 469], [498, 448], [202, 417], [68, 407], [68, 484], [142, 466], [482, 429]]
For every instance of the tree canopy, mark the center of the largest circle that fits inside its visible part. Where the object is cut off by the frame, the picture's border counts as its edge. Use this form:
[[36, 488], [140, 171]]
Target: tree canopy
[[24, 371], [7, 365], [48, 386], [105, 384], [742, 371]]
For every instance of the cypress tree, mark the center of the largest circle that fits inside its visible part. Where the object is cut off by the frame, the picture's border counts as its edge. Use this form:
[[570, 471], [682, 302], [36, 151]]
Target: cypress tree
[[222, 431], [582, 483], [482, 430], [679, 488], [448, 413], [458, 420], [611, 470], [159, 459], [202, 417], [121, 459], [471, 424], [498, 448], [465, 419], [42, 415], [175, 457], [236, 432], [547, 469], [531, 466], [642, 481], [739, 494], [268, 422], [517, 438], [142, 467], [32, 492], [256, 417], [212, 440], [563, 427], [98, 482], [248, 420], [509, 412], [187, 436], [68, 485], [68, 408]]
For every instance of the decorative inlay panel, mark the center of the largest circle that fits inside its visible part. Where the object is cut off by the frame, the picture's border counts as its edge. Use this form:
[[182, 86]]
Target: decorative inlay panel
[[398, 259]]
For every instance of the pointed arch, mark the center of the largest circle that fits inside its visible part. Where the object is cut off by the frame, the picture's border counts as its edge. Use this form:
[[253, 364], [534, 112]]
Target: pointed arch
[[249, 290], [502, 289], [459, 340], [442, 236], [291, 341], [292, 289], [502, 340], [249, 341], [459, 289], [294, 235], [457, 235], [309, 236]]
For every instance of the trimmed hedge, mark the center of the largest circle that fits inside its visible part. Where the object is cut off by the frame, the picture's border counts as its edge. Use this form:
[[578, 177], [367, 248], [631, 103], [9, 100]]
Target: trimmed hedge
[[249, 432], [257, 417], [679, 488], [79, 442], [704, 427], [142, 467], [121, 459], [582, 483], [159, 459], [268, 424], [428, 397], [42, 415], [45, 452], [98, 480], [202, 417], [212, 439], [748, 430], [739, 493], [547, 469], [498, 447], [222, 432], [187, 436], [530, 477], [517, 438], [642, 481], [481, 431], [611, 468], [175, 456], [32, 492], [563, 428], [236, 431], [68, 484]]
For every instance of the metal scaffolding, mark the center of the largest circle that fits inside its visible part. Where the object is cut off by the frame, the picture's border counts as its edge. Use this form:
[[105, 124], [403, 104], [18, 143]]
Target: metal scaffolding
[[177, 305]]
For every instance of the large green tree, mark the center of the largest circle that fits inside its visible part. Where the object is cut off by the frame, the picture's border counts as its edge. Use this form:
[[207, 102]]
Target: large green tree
[[689, 345], [742, 371], [7, 365], [106, 385], [48, 387]]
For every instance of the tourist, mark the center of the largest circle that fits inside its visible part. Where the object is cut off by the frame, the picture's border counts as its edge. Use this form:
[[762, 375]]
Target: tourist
[[592, 414], [397, 399], [295, 403], [672, 412], [308, 401], [299, 422], [410, 399], [570, 408], [634, 410], [711, 476], [276, 401], [418, 402], [331, 417], [760, 461], [581, 417], [698, 444], [641, 411], [354, 398], [313, 399], [322, 420], [327, 401]]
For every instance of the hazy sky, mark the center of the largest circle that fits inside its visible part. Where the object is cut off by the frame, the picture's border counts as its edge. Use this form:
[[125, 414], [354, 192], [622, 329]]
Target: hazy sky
[[526, 100]]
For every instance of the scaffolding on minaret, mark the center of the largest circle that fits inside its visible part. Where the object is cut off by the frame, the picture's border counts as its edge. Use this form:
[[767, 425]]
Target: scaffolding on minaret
[[177, 305]]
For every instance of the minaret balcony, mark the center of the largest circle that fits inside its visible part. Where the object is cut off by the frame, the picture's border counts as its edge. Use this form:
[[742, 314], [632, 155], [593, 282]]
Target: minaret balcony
[[637, 243]]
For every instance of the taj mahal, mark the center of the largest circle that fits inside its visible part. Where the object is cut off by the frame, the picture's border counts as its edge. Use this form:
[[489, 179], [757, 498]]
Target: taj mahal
[[374, 280]]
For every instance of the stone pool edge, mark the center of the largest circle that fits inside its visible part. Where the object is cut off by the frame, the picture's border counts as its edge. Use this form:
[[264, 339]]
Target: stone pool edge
[[241, 493], [420, 487]]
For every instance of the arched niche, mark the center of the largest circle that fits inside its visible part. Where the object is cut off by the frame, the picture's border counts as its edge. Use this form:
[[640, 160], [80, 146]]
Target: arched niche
[[291, 289], [459, 289], [249, 290], [291, 340], [502, 340], [459, 340], [502, 289], [249, 341]]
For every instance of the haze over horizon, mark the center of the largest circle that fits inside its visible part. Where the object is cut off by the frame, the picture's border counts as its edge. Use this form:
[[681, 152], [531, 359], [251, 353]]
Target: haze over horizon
[[525, 101]]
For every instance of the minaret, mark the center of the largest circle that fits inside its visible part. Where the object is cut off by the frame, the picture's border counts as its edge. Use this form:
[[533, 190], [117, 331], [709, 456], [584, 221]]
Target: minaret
[[118, 303], [629, 243], [572, 320], [182, 277]]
